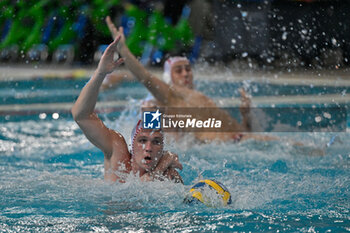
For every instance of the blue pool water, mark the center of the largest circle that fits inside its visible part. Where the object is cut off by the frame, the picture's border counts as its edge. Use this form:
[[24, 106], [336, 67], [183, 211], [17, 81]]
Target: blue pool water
[[51, 177]]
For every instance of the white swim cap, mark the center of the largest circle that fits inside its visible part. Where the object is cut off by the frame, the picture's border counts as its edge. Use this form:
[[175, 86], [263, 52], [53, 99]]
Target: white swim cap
[[168, 64]]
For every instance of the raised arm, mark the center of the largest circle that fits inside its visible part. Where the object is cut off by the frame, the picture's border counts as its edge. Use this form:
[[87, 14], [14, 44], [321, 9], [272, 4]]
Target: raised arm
[[83, 109], [160, 90], [114, 79]]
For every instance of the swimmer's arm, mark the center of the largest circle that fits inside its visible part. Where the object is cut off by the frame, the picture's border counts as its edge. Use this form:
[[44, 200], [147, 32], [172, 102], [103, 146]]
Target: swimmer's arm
[[170, 174], [173, 175], [152, 103], [245, 111], [160, 90], [169, 161], [114, 79], [88, 121], [83, 109], [119, 161]]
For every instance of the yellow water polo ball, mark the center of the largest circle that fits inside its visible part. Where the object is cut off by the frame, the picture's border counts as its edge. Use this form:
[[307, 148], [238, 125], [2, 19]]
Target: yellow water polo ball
[[209, 192]]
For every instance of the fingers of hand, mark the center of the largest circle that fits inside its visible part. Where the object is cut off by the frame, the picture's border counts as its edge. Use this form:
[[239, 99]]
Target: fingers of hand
[[108, 19], [168, 155], [241, 91], [113, 46], [119, 61], [117, 39], [173, 156], [244, 94], [111, 26], [146, 177], [176, 164]]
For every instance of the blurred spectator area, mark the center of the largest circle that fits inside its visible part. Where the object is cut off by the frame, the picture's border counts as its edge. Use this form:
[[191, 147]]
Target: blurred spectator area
[[309, 32], [276, 32]]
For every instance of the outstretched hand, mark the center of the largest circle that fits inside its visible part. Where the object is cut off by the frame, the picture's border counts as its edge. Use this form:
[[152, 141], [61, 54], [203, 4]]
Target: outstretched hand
[[115, 32], [107, 63], [172, 160], [165, 169], [167, 162]]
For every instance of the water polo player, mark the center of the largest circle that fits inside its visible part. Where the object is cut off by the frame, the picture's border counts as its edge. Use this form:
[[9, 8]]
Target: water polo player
[[147, 160], [180, 94]]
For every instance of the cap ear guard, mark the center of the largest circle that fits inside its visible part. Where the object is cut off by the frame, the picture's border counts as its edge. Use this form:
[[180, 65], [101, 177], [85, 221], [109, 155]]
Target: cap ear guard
[[167, 77], [134, 133]]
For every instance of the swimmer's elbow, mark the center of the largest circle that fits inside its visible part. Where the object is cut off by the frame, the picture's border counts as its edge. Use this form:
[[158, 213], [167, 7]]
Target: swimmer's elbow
[[77, 115]]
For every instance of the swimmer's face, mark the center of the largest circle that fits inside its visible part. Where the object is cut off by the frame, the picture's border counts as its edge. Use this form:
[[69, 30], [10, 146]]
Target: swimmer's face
[[181, 74], [148, 149]]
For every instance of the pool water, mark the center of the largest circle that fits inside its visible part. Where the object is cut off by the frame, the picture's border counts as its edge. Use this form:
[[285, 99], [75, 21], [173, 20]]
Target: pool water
[[51, 177]]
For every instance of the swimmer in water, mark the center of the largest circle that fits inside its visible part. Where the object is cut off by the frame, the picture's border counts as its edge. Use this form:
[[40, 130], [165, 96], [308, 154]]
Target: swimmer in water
[[146, 159], [114, 79], [180, 93]]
